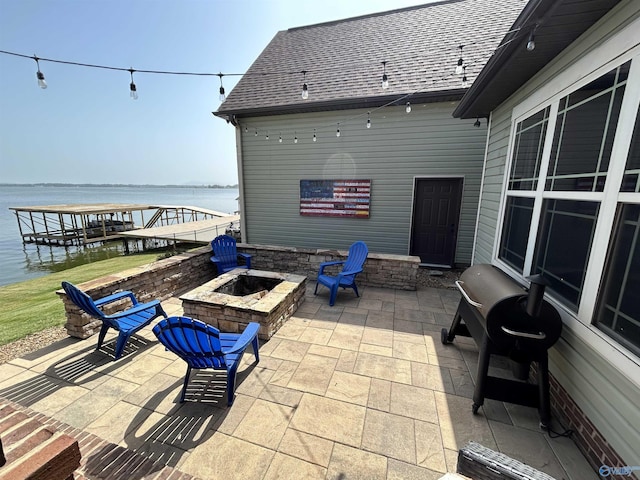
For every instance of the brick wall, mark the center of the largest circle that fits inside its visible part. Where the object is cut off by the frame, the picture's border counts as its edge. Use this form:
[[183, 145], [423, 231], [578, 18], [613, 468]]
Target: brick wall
[[587, 437], [181, 273]]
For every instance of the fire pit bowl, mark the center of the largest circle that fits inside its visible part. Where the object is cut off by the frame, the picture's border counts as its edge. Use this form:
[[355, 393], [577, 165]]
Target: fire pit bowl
[[232, 300]]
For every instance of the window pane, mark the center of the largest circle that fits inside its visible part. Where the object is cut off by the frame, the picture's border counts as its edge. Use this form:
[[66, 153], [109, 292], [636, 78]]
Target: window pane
[[631, 181], [527, 151], [583, 137], [618, 314], [515, 231], [563, 244]]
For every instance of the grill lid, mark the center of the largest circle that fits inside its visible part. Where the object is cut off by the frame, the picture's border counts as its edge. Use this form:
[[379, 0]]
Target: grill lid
[[486, 286]]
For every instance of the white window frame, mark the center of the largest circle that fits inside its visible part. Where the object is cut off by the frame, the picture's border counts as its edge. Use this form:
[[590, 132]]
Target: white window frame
[[609, 54]]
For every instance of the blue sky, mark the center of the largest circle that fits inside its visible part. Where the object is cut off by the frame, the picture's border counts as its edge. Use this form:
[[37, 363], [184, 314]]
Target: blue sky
[[84, 128]]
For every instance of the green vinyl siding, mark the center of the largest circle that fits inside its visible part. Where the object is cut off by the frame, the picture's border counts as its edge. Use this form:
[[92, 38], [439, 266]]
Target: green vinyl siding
[[605, 394], [396, 149]]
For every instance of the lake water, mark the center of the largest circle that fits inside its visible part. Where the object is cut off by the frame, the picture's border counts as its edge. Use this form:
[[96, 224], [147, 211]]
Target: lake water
[[23, 261]]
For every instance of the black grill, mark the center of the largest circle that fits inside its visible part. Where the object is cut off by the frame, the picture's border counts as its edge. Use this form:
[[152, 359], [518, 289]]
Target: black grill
[[505, 319]]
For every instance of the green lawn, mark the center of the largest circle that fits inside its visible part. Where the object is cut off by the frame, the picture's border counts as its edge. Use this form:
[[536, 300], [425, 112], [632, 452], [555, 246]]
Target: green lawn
[[31, 306]]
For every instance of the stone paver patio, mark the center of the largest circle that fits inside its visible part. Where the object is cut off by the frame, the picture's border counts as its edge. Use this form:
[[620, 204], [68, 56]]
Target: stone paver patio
[[361, 390]]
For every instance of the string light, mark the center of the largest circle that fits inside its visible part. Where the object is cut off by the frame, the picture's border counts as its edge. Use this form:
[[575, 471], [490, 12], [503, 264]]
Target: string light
[[477, 122], [460, 62], [305, 89], [222, 95], [133, 91], [338, 132], [266, 137], [408, 107], [385, 79], [465, 81], [256, 133], [280, 139], [531, 43], [39, 75]]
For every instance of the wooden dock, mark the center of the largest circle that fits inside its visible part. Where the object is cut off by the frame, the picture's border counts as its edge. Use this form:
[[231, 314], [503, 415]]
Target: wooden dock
[[80, 224], [202, 231]]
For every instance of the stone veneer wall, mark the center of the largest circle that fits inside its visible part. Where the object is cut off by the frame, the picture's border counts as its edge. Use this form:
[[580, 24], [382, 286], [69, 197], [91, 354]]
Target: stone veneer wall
[[380, 270], [180, 273], [158, 280]]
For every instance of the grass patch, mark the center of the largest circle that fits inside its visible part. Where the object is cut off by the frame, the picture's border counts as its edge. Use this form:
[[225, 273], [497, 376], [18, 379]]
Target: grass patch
[[32, 305]]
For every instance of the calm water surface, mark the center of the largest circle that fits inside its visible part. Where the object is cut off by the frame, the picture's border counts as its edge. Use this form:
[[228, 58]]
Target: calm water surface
[[23, 261]]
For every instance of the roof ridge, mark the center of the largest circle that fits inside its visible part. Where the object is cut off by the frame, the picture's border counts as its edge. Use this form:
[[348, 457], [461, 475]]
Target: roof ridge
[[375, 14]]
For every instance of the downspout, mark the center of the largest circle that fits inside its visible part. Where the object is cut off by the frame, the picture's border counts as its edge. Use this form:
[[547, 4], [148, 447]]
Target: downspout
[[243, 218], [232, 119], [484, 170]]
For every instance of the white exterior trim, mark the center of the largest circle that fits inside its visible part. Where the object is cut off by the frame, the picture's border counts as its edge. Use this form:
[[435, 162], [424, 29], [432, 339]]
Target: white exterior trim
[[614, 51]]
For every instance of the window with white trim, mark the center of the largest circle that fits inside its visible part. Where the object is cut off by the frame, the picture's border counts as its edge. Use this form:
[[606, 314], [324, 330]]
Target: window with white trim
[[567, 190]]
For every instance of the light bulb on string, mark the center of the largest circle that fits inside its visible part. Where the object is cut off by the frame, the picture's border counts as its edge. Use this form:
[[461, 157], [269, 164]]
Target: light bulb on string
[[305, 89], [407, 108], [280, 139], [222, 96], [460, 62], [246, 129], [315, 139], [531, 43], [385, 79], [133, 91], [256, 134], [368, 119], [266, 137], [295, 137], [39, 75], [477, 123], [465, 81], [338, 130]]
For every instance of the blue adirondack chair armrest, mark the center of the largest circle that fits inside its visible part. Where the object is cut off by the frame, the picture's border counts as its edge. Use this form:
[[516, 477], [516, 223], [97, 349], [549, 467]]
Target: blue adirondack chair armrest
[[247, 258], [244, 340], [327, 264], [140, 307], [215, 259], [116, 296], [351, 272]]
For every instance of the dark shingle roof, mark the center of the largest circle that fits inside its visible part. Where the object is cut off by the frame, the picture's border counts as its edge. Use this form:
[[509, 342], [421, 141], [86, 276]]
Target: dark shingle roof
[[343, 58], [557, 23]]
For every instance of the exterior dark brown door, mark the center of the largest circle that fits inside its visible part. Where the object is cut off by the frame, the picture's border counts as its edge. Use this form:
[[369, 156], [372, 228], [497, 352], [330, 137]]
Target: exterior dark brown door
[[435, 220]]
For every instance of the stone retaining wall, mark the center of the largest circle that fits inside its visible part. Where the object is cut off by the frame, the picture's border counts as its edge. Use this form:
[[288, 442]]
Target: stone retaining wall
[[380, 270], [180, 273], [158, 280]]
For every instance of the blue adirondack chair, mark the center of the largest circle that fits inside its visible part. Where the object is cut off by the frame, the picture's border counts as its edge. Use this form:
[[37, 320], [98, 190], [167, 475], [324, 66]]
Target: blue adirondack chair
[[352, 266], [126, 322], [225, 255], [204, 346]]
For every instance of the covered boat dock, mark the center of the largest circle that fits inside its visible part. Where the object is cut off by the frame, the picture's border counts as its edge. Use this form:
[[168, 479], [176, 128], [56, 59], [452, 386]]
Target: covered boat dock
[[80, 224]]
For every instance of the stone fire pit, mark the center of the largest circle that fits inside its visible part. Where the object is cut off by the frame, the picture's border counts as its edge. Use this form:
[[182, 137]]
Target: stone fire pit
[[236, 298]]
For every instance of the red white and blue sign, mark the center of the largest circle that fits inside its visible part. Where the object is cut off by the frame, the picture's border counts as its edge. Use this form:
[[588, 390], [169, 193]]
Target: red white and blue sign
[[335, 198]]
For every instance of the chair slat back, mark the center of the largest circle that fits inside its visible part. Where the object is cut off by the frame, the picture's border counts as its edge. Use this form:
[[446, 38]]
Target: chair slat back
[[224, 248], [357, 255], [82, 300], [194, 341]]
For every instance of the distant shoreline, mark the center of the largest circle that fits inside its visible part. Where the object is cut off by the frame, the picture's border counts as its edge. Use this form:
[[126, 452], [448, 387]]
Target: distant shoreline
[[111, 185]]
